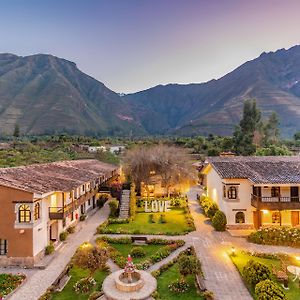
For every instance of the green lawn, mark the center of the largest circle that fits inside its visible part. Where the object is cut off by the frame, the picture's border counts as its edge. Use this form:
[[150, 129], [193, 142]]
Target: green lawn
[[175, 224], [242, 258], [171, 275], [125, 249], [76, 274]]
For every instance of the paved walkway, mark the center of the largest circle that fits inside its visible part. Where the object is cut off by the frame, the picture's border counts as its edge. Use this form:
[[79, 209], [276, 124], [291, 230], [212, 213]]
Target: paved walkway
[[38, 283]]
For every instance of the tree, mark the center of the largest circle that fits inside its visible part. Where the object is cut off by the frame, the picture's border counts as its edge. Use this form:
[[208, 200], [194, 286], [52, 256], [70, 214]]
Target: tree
[[16, 130], [271, 130], [245, 131], [169, 163]]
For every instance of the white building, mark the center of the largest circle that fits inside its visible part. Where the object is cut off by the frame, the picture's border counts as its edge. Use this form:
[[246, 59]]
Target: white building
[[255, 191]]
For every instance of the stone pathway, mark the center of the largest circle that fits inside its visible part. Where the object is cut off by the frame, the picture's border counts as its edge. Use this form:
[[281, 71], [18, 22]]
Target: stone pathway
[[124, 208], [38, 283]]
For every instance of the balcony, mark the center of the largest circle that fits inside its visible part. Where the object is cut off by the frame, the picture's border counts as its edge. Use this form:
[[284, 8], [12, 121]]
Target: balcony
[[275, 203], [56, 213]]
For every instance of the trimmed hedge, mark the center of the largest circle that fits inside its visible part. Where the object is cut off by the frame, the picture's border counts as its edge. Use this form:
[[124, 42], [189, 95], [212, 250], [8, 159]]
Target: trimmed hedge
[[255, 272], [219, 221]]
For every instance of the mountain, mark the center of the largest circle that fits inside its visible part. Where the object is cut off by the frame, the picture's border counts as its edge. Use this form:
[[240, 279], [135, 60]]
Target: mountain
[[46, 94], [216, 106]]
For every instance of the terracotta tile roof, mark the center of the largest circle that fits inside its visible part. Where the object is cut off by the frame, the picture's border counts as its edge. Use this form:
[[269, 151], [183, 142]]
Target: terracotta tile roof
[[56, 176], [259, 169]]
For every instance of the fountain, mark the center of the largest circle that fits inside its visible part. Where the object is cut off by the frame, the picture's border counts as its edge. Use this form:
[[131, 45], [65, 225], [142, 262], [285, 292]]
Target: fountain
[[129, 284]]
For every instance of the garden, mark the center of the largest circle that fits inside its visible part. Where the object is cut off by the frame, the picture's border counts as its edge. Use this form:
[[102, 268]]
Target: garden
[[9, 282], [143, 255], [175, 221], [177, 279], [87, 271], [266, 275]]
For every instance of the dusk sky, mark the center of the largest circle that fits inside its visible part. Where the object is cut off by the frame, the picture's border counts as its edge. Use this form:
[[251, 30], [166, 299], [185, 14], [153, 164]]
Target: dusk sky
[[131, 45]]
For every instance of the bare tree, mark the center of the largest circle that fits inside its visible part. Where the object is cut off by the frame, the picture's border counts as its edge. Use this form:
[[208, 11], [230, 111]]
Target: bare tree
[[171, 163]]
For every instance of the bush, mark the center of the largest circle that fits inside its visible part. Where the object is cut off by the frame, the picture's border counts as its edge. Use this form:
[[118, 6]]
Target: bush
[[151, 218], [63, 236], [120, 240], [188, 265], [137, 252], [269, 290], [255, 272], [162, 219], [211, 210], [114, 208], [179, 286], [208, 295], [82, 218], [71, 229], [95, 295], [84, 285], [49, 249], [219, 221], [283, 236], [132, 200]]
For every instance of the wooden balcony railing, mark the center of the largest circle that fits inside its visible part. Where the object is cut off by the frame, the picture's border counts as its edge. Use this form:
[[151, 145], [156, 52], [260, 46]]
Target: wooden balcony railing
[[275, 203]]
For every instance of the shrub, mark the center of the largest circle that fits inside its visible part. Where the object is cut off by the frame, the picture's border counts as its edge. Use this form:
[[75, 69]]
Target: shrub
[[71, 229], [95, 295], [162, 219], [63, 236], [132, 200], [219, 221], [137, 252], [188, 265], [118, 221], [269, 290], [144, 265], [208, 295], [151, 218], [49, 249], [120, 240], [284, 236], [84, 285], [179, 286], [9, 282], [255, 272], [211, 210], [82, 218], [114, 208]]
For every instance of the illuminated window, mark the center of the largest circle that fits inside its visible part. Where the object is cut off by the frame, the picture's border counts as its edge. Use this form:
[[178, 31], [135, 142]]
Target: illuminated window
[[24, 213], [276, 217], [240, 217], [3, 247], [36, 211], [232, 192]]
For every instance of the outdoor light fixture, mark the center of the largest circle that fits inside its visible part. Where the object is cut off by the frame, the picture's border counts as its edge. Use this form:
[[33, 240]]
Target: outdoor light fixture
[[233, 251], [298, 258], [265, 211], [22, 231]]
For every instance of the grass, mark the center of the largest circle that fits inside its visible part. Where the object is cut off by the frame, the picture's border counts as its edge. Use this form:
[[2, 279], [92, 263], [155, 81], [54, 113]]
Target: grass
[[242, 258], [175, 224], [76, 274], [171, 275], [125, 249]]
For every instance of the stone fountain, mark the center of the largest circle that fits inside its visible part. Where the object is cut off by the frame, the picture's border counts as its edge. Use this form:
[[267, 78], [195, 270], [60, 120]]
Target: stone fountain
[[129, 284]]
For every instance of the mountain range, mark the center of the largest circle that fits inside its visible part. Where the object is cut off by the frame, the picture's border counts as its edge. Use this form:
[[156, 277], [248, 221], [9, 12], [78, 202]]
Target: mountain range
[[46, 95]]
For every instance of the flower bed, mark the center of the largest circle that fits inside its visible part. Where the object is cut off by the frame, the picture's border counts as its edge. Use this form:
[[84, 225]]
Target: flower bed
[[151, 257], [171, 284], [283, 236], [9, 282]]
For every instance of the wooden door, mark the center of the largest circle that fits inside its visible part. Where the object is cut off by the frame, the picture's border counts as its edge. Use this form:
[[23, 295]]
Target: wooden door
[[295, 218], [257, 219]]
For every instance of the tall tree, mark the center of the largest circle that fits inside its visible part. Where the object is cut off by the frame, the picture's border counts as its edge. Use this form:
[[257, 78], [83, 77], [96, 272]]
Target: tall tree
[[16, 130], [245, 131], [271, 130]]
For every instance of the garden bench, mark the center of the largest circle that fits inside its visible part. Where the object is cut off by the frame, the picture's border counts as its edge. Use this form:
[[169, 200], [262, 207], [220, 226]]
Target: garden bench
[[139, 239], [200, 283], [61, 279]]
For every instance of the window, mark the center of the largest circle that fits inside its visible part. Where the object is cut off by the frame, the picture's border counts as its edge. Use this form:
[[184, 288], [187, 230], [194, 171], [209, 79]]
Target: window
[[83, 188], [232, 192], [3, 247], [36, 211], [89, 202], [224, 191], [240, 217], [276, 217], [24, 213], [275, 191]]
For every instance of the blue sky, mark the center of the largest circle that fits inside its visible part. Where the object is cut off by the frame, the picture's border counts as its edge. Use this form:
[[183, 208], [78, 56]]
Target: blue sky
[[132, 45]]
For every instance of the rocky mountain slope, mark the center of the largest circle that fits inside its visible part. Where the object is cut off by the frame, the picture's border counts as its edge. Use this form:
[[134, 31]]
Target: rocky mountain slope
[[45, 94]]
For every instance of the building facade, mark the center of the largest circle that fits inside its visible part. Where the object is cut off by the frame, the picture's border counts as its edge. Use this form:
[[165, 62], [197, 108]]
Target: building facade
[[38, 202], [255, 191]]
